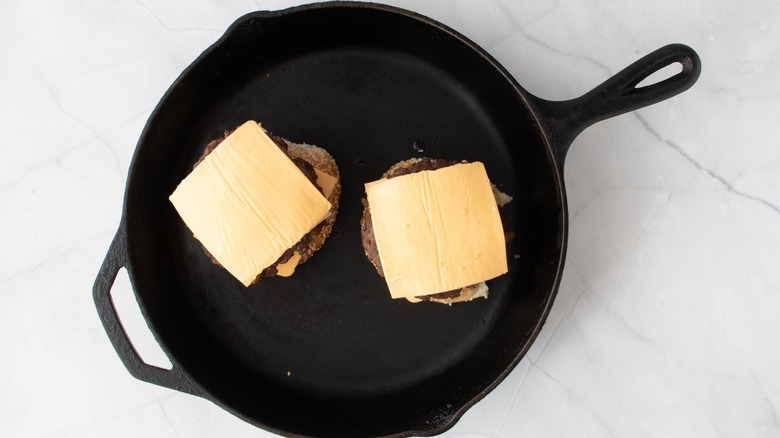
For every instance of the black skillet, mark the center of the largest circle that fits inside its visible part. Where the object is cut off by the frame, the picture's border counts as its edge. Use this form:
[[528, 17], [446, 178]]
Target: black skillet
[[327, 352]]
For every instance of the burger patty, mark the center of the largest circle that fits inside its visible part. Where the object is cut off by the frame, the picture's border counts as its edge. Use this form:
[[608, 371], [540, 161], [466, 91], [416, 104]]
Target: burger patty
[[367, 226], [307, 170]]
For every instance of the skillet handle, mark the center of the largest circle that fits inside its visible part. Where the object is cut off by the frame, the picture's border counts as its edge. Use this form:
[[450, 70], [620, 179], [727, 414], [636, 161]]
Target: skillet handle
[[116, 259], [619, 94]]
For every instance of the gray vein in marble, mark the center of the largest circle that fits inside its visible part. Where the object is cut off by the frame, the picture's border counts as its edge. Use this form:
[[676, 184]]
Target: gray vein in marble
[[145, 112], [766, 396], [55, 158], [560, 52], [53, 95], [502, 6], [165, 414], [175, 29], [102, 141], [576, 399], [115, 64], [712, 420], [565, 317], [516, 397], [691, 391], [659, 211], [507, 13], [480, 435], [585, 204], [630, 328], [650, 343], [748, 97], [31, 270], [637, 334], [729, 187], [101, 237], [573, 307], [772, 411], [159, 401]]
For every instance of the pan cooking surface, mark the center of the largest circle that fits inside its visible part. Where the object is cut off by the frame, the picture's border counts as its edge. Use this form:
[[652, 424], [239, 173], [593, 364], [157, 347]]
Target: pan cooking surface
[[330, 336]]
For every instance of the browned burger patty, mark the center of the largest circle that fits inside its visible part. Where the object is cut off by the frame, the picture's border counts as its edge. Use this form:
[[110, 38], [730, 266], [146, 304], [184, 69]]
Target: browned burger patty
[[314, 238], [367, 227]]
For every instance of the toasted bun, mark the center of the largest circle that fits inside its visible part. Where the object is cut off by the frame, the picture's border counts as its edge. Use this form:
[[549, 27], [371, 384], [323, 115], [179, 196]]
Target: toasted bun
[[467, 293], [324, 162]]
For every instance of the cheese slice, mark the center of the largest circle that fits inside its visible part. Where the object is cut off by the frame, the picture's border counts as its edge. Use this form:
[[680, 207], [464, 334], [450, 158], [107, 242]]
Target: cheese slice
[[437, 230], [247, 202]]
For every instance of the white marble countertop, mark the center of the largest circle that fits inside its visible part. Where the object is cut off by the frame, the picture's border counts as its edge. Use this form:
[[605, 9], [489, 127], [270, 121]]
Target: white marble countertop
[[667, 322]]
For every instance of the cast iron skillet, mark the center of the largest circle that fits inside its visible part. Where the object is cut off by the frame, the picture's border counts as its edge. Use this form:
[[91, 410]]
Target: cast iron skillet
[[327, 352]]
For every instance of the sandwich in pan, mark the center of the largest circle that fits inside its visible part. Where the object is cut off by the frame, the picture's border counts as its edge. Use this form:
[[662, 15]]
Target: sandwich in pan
[[259, 205], [432, 229]]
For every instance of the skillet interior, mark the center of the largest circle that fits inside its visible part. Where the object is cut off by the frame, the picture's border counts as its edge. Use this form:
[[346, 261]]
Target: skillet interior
[[365, 84]]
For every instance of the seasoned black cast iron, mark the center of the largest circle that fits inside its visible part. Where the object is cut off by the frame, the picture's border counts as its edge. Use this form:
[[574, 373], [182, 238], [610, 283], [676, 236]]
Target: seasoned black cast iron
[[327, 352]]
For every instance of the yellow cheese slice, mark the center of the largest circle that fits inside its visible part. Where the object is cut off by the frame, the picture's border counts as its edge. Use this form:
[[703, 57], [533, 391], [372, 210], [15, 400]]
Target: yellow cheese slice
[[437, 230], [247, 202]]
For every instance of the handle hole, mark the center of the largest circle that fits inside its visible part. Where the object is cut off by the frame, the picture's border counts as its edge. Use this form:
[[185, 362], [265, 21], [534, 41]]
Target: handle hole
[[133, 322], [661, 75]]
